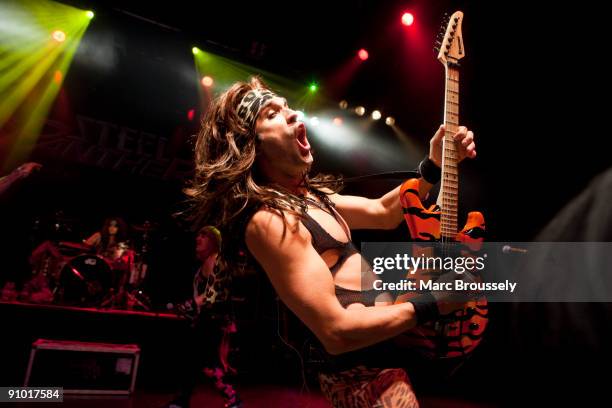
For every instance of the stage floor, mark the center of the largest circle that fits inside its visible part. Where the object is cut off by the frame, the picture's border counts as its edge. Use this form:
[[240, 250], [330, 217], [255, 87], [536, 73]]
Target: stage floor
[[268, 396], [268, 377]]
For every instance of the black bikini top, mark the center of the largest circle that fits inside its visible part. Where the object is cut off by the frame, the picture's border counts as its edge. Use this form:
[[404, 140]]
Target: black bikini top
[[322, 242]]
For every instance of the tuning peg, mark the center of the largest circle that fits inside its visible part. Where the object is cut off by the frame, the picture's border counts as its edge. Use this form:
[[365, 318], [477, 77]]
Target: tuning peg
[[445, 19]]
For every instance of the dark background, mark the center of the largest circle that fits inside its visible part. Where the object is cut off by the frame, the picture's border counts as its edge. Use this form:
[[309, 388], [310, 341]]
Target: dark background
[[533, 91], [530, 91]]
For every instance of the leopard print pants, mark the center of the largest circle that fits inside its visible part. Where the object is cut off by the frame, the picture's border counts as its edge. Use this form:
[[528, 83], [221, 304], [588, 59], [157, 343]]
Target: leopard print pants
[[363, 387]]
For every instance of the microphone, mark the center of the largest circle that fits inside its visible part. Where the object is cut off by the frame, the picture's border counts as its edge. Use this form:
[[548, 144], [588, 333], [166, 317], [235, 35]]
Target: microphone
[[507, 249]]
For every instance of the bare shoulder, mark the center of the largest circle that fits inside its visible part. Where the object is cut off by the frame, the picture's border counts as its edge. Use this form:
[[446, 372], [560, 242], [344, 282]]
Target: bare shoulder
[[269, 227], [327, 190], [332, 195]]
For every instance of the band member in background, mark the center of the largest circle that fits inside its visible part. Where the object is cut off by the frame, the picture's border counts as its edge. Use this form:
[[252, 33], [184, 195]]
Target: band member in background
[[112, 243], [212, 323], [252, 165], [113, 233]]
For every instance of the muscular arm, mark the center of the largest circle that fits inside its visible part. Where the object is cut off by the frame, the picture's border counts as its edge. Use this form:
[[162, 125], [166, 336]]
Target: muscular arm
[[380, 213], [305, 284], [386, 212]]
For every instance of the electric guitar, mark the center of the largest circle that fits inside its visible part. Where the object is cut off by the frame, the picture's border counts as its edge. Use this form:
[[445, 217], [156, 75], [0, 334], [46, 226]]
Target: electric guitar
[[458, 333]]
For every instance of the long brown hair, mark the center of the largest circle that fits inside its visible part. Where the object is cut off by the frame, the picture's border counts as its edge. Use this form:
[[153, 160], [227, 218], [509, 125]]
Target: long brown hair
[[121, 236], [226, 186]]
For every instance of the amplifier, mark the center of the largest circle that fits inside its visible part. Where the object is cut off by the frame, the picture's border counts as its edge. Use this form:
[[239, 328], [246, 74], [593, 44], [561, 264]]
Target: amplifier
[[83, 368]]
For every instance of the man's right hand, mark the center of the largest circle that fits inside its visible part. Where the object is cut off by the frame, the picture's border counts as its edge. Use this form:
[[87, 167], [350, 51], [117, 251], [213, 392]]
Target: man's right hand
[[449, 301]]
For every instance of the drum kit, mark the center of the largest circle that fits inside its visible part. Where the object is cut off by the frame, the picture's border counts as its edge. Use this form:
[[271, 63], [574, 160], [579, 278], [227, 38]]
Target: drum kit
[[77, 275]]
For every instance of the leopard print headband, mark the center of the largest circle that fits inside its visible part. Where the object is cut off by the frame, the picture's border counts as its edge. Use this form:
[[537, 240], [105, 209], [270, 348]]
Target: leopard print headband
[[252, 103]]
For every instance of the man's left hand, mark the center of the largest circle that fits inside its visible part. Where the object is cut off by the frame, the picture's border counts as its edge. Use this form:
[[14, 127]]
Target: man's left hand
[[464, 141]]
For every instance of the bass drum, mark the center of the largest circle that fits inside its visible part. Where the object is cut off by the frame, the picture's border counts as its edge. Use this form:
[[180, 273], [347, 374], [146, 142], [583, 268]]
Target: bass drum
[[84, 281]]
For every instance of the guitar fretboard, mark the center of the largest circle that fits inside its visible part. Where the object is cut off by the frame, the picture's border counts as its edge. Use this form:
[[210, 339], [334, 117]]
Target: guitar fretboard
[[449, 189]]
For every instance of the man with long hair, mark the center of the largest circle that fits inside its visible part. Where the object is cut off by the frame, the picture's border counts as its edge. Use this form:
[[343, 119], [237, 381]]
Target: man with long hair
[[252, 180]]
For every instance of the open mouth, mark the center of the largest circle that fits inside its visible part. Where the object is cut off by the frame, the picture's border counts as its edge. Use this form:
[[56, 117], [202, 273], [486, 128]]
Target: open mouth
[[301, 139]]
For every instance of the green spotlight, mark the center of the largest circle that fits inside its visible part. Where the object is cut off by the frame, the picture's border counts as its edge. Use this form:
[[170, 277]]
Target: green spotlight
[[33, 68], [195, 50], [313, 87], [90, 14]]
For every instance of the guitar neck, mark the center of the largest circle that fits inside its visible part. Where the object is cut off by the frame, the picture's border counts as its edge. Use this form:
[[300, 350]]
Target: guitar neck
[[449, 188]]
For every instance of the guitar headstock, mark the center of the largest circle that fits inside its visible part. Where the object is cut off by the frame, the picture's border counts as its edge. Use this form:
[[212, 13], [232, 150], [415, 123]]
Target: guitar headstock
[[450, 41]]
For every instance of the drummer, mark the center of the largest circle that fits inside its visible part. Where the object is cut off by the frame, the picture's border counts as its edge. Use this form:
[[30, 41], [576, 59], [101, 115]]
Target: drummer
[[113, 233], [111, 242]]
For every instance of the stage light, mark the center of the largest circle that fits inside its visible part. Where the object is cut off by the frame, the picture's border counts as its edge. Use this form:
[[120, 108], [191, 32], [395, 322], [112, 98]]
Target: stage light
[[191, 114], [195, 50], [376, 115], [343, 104], [407, 19], [207, 81], [337, 121], [90, 14], [363, 54], [313, 87], [59, 36], [38, 42], [390, 120], [314, 121], [300, 115], [360, 110]]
